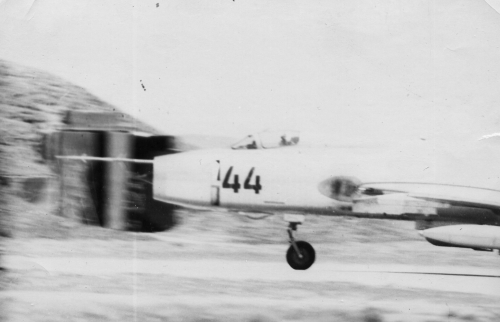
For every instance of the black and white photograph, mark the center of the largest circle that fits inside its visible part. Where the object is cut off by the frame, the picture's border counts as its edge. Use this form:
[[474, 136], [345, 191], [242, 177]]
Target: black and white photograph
[[250, 160]]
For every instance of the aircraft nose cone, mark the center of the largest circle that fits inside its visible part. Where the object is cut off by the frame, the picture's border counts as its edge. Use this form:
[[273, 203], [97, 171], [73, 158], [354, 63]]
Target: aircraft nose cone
[[183, 178]]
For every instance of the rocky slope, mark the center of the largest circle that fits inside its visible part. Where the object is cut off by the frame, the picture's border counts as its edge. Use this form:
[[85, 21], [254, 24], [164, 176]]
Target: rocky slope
[[33, 102]]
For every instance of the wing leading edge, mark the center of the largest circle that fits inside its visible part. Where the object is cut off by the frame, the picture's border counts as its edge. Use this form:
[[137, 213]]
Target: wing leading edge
[[424, 198]]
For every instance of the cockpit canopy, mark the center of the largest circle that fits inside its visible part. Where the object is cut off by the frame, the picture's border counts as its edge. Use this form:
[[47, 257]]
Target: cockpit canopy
[[268, 140]]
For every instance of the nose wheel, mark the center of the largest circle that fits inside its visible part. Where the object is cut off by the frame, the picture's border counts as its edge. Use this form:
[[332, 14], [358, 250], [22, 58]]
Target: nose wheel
[[300, 254]]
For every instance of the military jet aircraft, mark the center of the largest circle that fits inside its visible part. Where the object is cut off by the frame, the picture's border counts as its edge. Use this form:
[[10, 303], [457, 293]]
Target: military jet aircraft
[[269, 173]]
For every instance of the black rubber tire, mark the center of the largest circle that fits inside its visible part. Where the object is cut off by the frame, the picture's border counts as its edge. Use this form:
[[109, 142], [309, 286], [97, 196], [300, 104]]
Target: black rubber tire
[[308, 256]]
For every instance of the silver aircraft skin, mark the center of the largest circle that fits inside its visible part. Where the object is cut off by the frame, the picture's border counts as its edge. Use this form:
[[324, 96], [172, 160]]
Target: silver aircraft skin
[[270, 173]]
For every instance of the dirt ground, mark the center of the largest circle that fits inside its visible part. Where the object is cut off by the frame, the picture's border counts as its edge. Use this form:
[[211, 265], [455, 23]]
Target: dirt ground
[[223, 267]]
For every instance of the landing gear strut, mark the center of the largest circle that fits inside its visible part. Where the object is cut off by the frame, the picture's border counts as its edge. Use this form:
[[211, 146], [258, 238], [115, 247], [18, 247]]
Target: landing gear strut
[[300, 254]]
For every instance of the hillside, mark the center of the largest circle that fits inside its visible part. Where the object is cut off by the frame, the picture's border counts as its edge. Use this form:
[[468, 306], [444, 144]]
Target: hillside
[[33, 102]]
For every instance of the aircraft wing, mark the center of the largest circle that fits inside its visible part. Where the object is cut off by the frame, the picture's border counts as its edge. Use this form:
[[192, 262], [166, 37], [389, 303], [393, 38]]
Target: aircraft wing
[[422, 198], [464, 201]]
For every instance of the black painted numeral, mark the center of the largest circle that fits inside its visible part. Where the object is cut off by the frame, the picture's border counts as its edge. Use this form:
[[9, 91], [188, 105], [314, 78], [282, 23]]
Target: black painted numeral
[[256, 187], [236, 181]]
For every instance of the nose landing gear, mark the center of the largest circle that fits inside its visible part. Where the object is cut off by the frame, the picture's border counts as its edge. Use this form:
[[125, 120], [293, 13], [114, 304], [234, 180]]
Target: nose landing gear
[[300, 254]]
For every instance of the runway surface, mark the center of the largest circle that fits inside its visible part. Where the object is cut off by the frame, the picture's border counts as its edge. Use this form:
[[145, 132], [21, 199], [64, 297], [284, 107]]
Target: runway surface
[[451, 279], [210, 277]]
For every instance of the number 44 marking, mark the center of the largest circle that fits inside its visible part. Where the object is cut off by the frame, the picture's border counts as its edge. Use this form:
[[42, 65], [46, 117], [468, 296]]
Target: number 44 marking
[[236, 181]]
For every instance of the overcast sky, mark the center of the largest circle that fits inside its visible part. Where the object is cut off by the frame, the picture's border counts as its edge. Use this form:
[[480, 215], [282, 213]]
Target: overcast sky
[[354, 71]]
